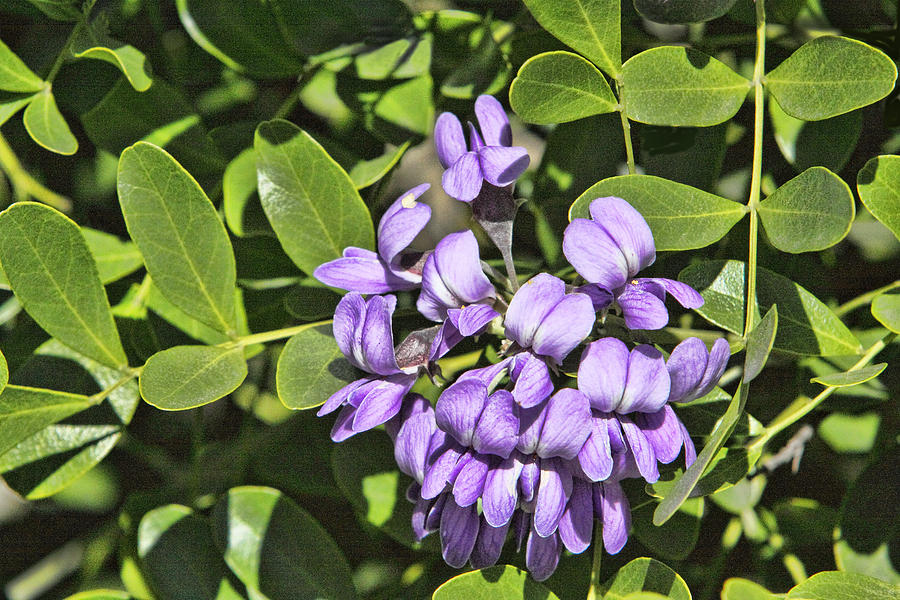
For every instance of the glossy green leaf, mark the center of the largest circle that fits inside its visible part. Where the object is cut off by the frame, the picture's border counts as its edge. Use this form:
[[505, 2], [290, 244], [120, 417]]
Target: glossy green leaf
[[190, 376], [838, 585], [829, 76], [805, 324], [310, 201], [59, 10], [46, 125], [886, 309], [878, 184], [646, 575], [827, 143], [850, 378], [10, 106], [812, 211], [177, 554], [677, 86], [243, 213], [592, 28], [502, 582], [25, 411], [848, 433], [677, 537], [311, 368], [681, 217], [125, 57], [100, 595], [744, 589], [557, 87], [394, 112], [15, 76], [114, 258], [276, 548], [55, 278], [184, 244], [682, 11], [759, 344], [364, 173], [400, 59]]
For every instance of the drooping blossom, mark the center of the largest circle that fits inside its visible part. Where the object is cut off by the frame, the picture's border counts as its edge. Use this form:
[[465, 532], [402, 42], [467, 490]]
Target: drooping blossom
[[609, 249], [394, 267], [694, 370], [489, 157]]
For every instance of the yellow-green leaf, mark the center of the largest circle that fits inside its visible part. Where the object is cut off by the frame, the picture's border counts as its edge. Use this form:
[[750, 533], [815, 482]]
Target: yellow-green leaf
[[46, 125], [190, 376]]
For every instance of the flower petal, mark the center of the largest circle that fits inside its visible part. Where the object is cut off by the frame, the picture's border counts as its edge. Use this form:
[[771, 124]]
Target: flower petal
[[528, 480], [566, 426], [552, 494], [378, 339], [411, 446], [690, 452], [459, 529], [641, 449], [534, 300], [498, 426], [600, 296], [488, 546], [594, 254], [449, 140], [663, 430], [500, 496], [715, 366], [383, 402], [602, 373], [532, 381], [615, 513], [402, 222], [463, 179], [595, 457], [459, 264], [472, 319], [686, 366], [576, 524], [686, 296], [459, 407], [647, 384], [493, 121], [642, 309], [338, 398], [563, 328], [541, 555], [531, 420], [349, 320], [628, 228], [342, 430], [438, 474], [363, 275], [469, 482], [502, 165]]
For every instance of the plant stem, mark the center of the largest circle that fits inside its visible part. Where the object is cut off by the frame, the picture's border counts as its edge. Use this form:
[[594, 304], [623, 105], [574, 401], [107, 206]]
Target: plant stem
[[24, 185], [104, 394], [594, 590], [864, 299], [626, 126], [269, 336], [64, 53], [756, 173]]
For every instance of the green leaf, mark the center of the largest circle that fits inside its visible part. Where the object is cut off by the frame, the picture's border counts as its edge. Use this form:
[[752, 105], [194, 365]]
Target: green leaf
[[177, 554], [677, 86], [677, 537], [759, 344], [100, 595], [557, 87], [310, 201], [502, 582], [878, 184], [805, 324], [400, 59], [184, 244], [311, 302], [829, 76], [114, 258], [812, 211], [4, 372], [850, 378], [681, 217], [55, 278], [364, 173], [827, 143], [276, 548], [46, 125], [311, 368], [243, 213], [128, 59], [682, 11], [592, 28], [59, 10], [10, 106], [486, 70], [736, 588], [646, 575], [886, 309], [837, 585], [15, 76], [392, 111], [690, 155], [744, 495], [848, 433], [25, 411], [190, 376]]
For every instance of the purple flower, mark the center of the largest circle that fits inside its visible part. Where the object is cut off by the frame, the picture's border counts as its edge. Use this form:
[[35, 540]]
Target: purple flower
[[362, 330], [694, 371], [490, 158], [628, 393], [452, 279], [609, 249], [393, 268]]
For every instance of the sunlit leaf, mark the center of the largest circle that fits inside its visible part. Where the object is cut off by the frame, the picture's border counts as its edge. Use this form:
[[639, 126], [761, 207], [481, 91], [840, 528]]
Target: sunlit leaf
[[503, 582], [878, 184], [94, 44], [850, 433], [25, 411], [886, 309], [115, 258], [682, 11], [46, 125], [186, 377], [759, 344], [744, 589], [15, 76], [646, 574], [311, 368], [827, 143], [850, 378], [243, 213], [838, 585]]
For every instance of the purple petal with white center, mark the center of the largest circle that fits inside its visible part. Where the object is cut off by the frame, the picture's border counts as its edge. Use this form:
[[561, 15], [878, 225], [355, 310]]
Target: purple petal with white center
[[488, 546], [686, 366], [534, 300], [532, 381], [662, 429], [459, 529], [500, 496], [493, 121], [378, 339], [594, 254], [349, 320], [615, 513], [541, 555], [459, 407], [647, 384], [472, 319], [602, 373], [363, 275], [600, 296], [469, 482], [531, 420], [341, 430], [641, 449], [563, 328], [628, 228], [459, 263], [576, 524], [449, 140], [686, 296], [438, 474], [715, 366], [411, 446], [641, 309], [463, 179], [529, 478], [338, 398], [402, 222], [502, 165], [566, 426], [383, 402], [498, 426], [553, 492], [595, 457]]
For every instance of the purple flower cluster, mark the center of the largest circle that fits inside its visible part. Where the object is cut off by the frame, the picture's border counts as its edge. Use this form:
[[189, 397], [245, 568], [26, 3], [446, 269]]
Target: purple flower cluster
[[516, 447]]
